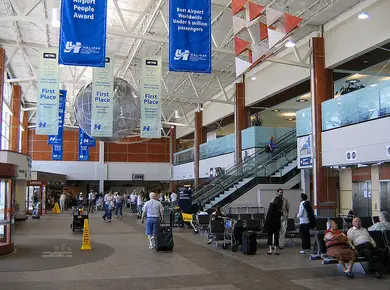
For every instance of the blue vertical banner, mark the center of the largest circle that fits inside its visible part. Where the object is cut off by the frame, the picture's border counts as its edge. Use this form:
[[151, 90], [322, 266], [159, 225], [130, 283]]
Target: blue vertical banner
[[56, 152], [190, 36], [85, 139], [83, 33], [57, 139], [83, 153]]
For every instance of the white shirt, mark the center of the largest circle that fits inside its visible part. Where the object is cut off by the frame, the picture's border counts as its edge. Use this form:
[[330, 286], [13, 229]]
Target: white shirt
[[63, 197], [108, 198], [153, 208], [140, 200], [132, 198], [91, 196], [119, 198], [302, 214], [173, 197], [359, 236]]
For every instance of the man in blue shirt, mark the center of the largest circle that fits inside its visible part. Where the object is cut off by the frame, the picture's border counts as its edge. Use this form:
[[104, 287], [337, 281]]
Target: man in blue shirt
[[272, 146]]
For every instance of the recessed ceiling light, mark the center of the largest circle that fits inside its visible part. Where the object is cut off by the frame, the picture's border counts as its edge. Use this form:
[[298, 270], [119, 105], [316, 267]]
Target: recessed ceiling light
[[290, 119], [352, 81], [289, 114], [363, 15], [373, 85], [290, 43], [302, 100], [365, 61], [276, 110], [254, 78]]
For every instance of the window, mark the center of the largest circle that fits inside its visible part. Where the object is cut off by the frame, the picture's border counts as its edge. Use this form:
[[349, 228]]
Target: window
[[6, 116], [21, 129]]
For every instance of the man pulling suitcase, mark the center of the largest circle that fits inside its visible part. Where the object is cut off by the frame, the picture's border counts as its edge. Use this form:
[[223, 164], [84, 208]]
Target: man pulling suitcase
[[159, 237]]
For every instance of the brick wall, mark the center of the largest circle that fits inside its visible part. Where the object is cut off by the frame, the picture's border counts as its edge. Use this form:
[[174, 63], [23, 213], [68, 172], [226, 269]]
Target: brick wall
[[153, 150]]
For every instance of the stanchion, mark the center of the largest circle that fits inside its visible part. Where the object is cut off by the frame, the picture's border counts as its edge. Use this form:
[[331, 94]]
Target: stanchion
[[56, 209], [86, 238]]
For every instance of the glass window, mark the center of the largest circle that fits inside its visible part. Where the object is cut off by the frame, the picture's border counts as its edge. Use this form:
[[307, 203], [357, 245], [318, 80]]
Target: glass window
[[7, 91]]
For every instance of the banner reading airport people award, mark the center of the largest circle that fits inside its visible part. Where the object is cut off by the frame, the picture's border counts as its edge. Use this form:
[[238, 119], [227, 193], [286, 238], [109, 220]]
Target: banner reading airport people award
[[151, 97], [56, 152], [57, 139], [83, 32], [190, 36], [102, 98], [48, 90]]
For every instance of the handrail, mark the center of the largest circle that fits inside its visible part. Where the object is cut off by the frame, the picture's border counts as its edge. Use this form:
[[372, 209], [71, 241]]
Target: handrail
[[241, 171], [284, 138], [200, 189]]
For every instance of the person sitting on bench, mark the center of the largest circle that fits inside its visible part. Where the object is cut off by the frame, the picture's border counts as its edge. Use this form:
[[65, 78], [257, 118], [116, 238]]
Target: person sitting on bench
[[365, 246], [337, 246], [383, 224]]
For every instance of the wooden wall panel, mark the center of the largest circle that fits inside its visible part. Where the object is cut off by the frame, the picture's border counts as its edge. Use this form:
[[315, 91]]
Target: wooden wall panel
[[361, 174], [384, 171]]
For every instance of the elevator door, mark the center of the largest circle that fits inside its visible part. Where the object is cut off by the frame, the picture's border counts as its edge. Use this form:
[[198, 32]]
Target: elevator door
[[385, 196], [361, 198]]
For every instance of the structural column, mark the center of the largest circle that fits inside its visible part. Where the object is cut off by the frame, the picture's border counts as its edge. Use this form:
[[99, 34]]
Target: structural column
[[25, 133], [173, 148], [240, 120], [101, 162], [321, 90], [15, 119], [198, 140], [2, 71]]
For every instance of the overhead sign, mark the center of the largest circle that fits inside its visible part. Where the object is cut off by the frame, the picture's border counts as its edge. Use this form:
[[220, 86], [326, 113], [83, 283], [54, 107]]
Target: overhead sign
[[85, 140], [305, 153], [190, 36], [102, 100], [83, 32], [57, 139], [151, 97], [56, 152], [48, 90]]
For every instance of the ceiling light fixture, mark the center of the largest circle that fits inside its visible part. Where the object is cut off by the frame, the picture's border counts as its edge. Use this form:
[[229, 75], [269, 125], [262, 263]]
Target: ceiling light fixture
[[290, 119], [254, 78], [363, 15], [373, 85], [200, 107], [55, 21], [177, 115], [302, 100], [289, 114], [290, 43], [276, 110]]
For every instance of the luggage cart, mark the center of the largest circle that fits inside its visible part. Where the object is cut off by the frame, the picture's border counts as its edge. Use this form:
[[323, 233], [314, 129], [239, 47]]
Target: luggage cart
[[230, 226], [79, 215]]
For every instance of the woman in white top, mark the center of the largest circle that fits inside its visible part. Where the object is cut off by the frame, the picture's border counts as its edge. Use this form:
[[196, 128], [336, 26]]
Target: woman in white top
[[140, 203], [108, 206], [118, 204]]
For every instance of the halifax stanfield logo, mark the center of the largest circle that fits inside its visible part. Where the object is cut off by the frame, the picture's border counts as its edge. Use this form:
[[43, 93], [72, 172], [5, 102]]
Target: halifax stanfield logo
[[146, 128], [186, 55], [181, 55], [78, 48]]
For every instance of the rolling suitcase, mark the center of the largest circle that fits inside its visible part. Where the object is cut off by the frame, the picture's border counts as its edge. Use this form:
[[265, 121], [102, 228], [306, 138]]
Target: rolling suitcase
[[164, 239], [249, 243]]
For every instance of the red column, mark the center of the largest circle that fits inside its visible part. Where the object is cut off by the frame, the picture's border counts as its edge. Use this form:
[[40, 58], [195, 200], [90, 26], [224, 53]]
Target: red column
[[173, 148], [241, 119], [15, 119], [2, 70], [25, 133], [198, 140], [322, 90]]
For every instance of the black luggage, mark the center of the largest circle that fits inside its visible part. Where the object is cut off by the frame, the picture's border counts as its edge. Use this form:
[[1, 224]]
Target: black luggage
[[164, 239], [249, 243]]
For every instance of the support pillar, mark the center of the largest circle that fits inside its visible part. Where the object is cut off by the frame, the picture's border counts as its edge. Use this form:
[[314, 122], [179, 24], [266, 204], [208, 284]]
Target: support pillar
[[25, 133], [101, 161], [173, 148], [15, 118], [198, 140], [241, 120], [2, 71], [321, 90]]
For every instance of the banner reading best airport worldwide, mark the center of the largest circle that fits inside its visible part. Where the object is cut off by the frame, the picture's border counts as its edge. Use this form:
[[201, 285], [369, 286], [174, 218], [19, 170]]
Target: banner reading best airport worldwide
[[102, 98], [151, 97], [48, 91], [57, 139], [190, 36], [83, 32]]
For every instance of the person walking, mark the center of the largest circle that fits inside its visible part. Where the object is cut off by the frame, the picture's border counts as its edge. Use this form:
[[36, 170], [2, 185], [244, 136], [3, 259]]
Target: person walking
[[108, 206], [62, 201], [283, 219], [153, 212], [118, 204], [91, 202], [304, 223], [272, 224]]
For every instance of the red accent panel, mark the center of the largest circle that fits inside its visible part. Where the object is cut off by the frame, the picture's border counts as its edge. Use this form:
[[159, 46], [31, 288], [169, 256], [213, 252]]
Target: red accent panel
[[255, 10], [263, 31], [240, 45], [291, 22], [238, 6]]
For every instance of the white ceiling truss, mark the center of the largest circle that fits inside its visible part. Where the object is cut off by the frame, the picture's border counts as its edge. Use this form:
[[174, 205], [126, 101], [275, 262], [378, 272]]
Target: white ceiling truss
[[139, 28]]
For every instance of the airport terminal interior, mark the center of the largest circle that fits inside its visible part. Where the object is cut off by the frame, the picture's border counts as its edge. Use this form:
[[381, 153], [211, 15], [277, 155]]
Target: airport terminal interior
[[195, 144]]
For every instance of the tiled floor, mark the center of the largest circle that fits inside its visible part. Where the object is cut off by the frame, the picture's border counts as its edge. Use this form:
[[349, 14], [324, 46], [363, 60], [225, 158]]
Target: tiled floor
[[48, 256]]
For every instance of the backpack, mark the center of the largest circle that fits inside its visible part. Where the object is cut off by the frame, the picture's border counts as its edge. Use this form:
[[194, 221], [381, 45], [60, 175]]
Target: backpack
[[310, 214]]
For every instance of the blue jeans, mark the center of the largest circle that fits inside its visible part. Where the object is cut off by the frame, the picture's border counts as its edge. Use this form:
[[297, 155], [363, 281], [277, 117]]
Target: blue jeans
[[152, 226], [118, 206], [107, 214]]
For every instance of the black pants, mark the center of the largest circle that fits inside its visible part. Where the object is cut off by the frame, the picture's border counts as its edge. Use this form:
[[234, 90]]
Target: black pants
[[368, 251], [273, 237], [304, 230]]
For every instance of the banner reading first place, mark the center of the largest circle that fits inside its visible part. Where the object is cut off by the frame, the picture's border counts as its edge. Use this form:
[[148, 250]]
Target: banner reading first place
[[48, 93], [190, 36], [83, 33]]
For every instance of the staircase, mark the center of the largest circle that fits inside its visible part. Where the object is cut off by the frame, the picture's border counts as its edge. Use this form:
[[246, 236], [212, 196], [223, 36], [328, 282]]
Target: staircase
[[258, 168]]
